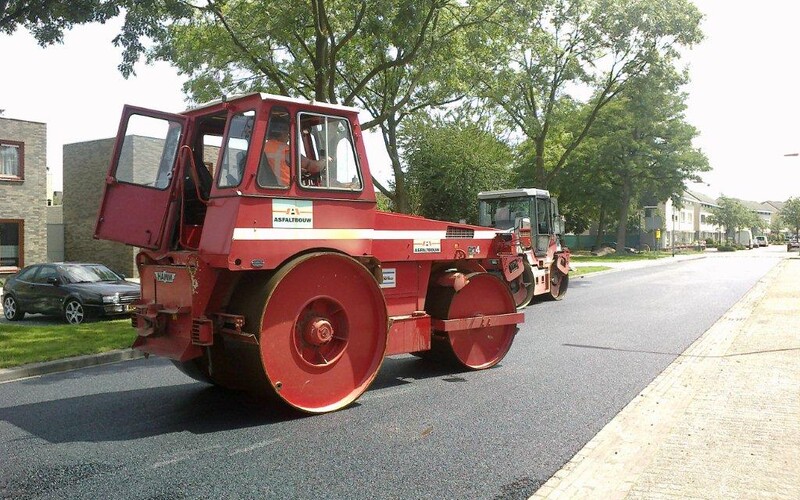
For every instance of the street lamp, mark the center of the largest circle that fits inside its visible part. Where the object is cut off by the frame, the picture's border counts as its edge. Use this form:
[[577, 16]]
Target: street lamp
[[674, 218]]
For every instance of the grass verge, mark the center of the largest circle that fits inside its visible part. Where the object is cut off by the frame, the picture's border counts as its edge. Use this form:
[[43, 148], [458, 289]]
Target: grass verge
[[22, 344], [588, 270], [621, 258]]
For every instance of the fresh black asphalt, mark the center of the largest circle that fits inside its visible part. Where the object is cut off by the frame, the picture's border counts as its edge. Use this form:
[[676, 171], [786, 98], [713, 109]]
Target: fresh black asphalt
[[140, 429]]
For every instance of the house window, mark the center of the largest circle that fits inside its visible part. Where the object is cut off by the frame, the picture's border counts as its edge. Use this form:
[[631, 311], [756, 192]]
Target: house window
[[12, 155], [11, 244]]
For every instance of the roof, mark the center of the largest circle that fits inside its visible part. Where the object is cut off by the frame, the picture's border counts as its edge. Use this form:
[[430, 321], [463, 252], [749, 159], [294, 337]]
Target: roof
[[703, 198], [756, 206], [512, 193], [777, 205], [273, 97]]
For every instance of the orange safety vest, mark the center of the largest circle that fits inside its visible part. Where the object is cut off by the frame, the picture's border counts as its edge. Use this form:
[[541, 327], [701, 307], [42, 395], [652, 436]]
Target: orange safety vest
[[277, 154]]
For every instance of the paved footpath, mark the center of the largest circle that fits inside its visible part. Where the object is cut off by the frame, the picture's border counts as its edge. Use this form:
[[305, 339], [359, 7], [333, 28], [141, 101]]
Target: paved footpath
[[722, 421]]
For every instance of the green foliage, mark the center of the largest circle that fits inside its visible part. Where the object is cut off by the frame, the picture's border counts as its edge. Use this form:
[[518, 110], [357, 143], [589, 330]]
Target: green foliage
[[384, 203], [394, 58], [449, 163], [733, 216], [640, 148], [22, 343], [790, 215], [552, 50], [47, 19], [726, 248]]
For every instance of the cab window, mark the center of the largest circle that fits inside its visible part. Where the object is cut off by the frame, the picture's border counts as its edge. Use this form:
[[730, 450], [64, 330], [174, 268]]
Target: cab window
[[274, 167], [231, 170], [147, 156], [326, 153]]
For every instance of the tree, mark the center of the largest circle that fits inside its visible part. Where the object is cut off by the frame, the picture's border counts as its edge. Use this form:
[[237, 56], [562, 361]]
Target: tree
[[730, 215], [47, 19], [557, 49], [449, 163], [639, 148], [790, 214], [395, 58]]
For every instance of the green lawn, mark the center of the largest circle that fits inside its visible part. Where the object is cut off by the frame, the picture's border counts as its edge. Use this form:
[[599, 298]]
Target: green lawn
[[588, 270], [22, 343], [620, 258]]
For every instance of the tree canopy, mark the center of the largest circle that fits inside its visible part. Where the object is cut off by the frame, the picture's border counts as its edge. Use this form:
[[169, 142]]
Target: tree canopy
[[48, 19], [552, 51], [733, 216], [585, 92], [790, 215], [640, 148], [449, 163]]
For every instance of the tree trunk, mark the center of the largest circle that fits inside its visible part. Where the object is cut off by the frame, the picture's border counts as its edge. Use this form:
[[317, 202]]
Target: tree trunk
[[539, 174], [601, 222], [400, 196], [622, 227]]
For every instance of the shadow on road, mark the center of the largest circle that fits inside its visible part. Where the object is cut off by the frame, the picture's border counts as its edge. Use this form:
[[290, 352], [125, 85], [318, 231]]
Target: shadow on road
[[190, 407]]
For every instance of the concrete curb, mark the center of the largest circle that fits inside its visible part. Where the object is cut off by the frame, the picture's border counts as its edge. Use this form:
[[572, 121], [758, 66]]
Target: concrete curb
[[68, 364]]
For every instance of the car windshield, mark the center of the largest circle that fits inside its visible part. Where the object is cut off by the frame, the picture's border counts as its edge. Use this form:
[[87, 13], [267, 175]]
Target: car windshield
[[88, 274]]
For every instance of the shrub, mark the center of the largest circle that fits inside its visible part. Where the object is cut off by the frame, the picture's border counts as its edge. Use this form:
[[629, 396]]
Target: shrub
[[726, 248]]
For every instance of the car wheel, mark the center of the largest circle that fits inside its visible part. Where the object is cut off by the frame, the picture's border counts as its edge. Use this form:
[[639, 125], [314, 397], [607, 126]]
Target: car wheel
[[73, 312], [11, 309]]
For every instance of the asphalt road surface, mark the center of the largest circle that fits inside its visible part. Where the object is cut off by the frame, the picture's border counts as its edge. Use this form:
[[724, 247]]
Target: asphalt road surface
[[141, 429]]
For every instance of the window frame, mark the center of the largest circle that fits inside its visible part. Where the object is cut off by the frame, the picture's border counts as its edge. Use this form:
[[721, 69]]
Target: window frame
[[297, 160], [292, 176], [158, 173], [20, 161], [226, 145], [20, 248]]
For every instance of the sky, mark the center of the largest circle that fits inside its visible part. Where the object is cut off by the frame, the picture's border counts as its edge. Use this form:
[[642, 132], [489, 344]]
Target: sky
[[744, 95]]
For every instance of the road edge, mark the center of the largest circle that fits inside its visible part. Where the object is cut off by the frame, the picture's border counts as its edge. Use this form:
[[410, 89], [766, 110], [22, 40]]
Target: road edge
[[67, 364]]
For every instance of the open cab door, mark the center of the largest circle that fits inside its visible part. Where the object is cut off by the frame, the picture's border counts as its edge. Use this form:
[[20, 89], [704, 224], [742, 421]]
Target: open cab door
[[139, 194]]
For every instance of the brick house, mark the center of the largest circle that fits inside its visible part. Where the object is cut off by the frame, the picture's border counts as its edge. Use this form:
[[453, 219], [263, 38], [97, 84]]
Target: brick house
[[85, 169], [23, 194]]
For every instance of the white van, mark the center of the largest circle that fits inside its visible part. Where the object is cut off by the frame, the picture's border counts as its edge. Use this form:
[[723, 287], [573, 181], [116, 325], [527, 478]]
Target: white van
[[761, 241], [744, 238]]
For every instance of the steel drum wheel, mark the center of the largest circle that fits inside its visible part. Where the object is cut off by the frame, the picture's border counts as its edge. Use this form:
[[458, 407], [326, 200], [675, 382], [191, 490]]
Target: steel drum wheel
[[523, 293], [323, 332], [477, 348], [559, 283]]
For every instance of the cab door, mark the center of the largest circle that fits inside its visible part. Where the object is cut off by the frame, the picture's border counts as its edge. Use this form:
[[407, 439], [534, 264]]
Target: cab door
[[139, 193]]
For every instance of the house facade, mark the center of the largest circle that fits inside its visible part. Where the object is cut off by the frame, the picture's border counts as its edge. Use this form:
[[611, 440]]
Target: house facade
[[85, 168], [764, 211], [703, 210], [688, 221], [23, 194]]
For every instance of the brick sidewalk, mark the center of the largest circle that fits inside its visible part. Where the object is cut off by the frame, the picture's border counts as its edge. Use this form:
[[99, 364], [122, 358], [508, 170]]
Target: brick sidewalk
[[722, 421]]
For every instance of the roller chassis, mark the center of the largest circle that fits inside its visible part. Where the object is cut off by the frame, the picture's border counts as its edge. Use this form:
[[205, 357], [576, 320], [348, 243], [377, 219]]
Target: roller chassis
[[295, 292], [544, 259]]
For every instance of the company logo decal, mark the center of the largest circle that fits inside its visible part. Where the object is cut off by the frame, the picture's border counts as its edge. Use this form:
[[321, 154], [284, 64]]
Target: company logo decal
[[292, 213], [164, 276], [427, 246], [389, 278]]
